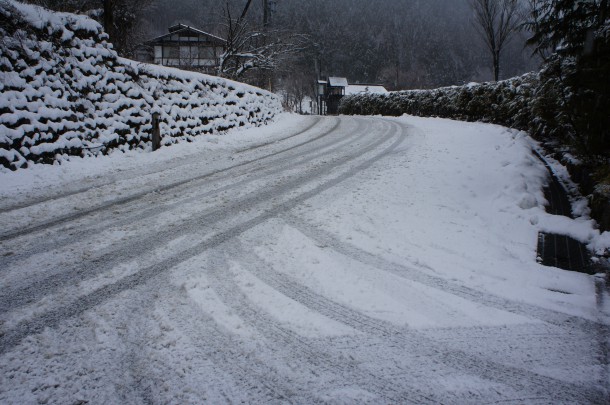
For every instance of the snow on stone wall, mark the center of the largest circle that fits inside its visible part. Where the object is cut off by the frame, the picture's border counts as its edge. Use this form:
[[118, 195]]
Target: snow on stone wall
[[64, 91]]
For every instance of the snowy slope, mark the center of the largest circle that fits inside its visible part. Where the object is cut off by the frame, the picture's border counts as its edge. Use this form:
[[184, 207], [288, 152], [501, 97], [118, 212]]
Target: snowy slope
[[64, 91]]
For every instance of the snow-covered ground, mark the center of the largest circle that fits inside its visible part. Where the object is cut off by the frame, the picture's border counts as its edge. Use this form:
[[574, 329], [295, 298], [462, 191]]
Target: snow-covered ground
[[319, 259]]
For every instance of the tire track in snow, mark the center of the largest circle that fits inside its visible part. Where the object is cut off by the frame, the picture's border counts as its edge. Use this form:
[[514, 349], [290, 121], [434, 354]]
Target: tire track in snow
[[15, 296], [262, 145], [141, 208], [138, 195], [54, 317], [309, 355], [135, 173], [408, 340], [254, 381], [226, 355], [324, 238]]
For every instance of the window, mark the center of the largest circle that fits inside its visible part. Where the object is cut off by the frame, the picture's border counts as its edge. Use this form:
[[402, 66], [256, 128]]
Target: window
[[170, 52], [205, 52], [185, 53]]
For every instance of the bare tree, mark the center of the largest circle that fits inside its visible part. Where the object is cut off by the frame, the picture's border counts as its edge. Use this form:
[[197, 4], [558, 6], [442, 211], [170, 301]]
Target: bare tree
[[297, 87], [402, 44], [250, 49], [496, 21]]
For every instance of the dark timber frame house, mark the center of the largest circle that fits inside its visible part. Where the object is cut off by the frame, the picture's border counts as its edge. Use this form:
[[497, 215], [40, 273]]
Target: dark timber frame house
[[185, 47], [330, 93]]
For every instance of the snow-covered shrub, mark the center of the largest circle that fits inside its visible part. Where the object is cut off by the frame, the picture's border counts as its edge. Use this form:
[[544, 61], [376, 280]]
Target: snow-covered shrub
[[508, 102], [64, 91]]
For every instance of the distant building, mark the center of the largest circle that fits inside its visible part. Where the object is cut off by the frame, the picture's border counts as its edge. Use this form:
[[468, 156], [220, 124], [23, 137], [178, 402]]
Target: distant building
[[335, 90], [331, 91], [184, 47]]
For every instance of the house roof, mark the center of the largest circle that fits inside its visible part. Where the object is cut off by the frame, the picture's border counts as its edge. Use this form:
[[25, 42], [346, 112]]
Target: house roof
[[365, 88], [337, 81], [185, 29]]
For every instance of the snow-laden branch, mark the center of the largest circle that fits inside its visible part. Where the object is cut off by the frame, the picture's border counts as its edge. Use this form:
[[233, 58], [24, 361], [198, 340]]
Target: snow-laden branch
[[249, 49]]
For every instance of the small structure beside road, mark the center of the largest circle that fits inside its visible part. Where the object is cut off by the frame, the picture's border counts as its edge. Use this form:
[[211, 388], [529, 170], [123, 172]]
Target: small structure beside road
[[331, 91]]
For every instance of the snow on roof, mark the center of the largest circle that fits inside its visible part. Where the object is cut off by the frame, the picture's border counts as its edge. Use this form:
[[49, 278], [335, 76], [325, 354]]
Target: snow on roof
[[365, 88], [337, 81], [181, 28]]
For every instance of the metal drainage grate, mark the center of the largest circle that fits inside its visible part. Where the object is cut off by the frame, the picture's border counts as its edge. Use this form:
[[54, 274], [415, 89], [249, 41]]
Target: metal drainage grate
[[563, 252]]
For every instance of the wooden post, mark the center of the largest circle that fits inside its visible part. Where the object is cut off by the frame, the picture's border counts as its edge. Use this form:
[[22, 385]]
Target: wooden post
[[156, 132]]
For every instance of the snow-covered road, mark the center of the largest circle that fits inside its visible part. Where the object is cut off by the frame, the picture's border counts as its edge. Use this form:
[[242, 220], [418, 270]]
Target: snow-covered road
[[322, 259]]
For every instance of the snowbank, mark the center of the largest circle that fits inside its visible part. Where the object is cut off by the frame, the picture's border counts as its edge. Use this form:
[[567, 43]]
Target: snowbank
[[64, 91]]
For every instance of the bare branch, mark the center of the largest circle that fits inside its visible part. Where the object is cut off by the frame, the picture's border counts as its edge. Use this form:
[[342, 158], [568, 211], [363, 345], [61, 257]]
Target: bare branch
[[496, 21], [249, 49]]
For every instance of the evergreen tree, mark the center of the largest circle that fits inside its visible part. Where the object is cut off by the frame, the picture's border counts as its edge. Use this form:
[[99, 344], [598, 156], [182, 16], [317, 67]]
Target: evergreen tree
[[577, 35], [566, 26]]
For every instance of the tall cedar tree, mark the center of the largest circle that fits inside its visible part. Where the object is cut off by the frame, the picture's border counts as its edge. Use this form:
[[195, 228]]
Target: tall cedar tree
[[576, 33]]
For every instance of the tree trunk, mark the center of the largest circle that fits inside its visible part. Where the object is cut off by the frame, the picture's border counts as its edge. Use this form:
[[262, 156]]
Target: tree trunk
[[496, 66], [266, 13], [109, 18]]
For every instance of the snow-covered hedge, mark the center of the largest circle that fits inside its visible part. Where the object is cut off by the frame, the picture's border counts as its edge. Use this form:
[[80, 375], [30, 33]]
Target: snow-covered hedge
[[64, 91], [510, 102]]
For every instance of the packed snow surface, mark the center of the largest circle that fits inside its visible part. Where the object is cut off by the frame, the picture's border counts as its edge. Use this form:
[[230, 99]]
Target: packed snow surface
[[319, 259]]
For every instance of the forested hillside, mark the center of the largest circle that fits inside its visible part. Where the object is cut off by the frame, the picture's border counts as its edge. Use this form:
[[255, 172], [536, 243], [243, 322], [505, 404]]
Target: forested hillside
[[401, 44]]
